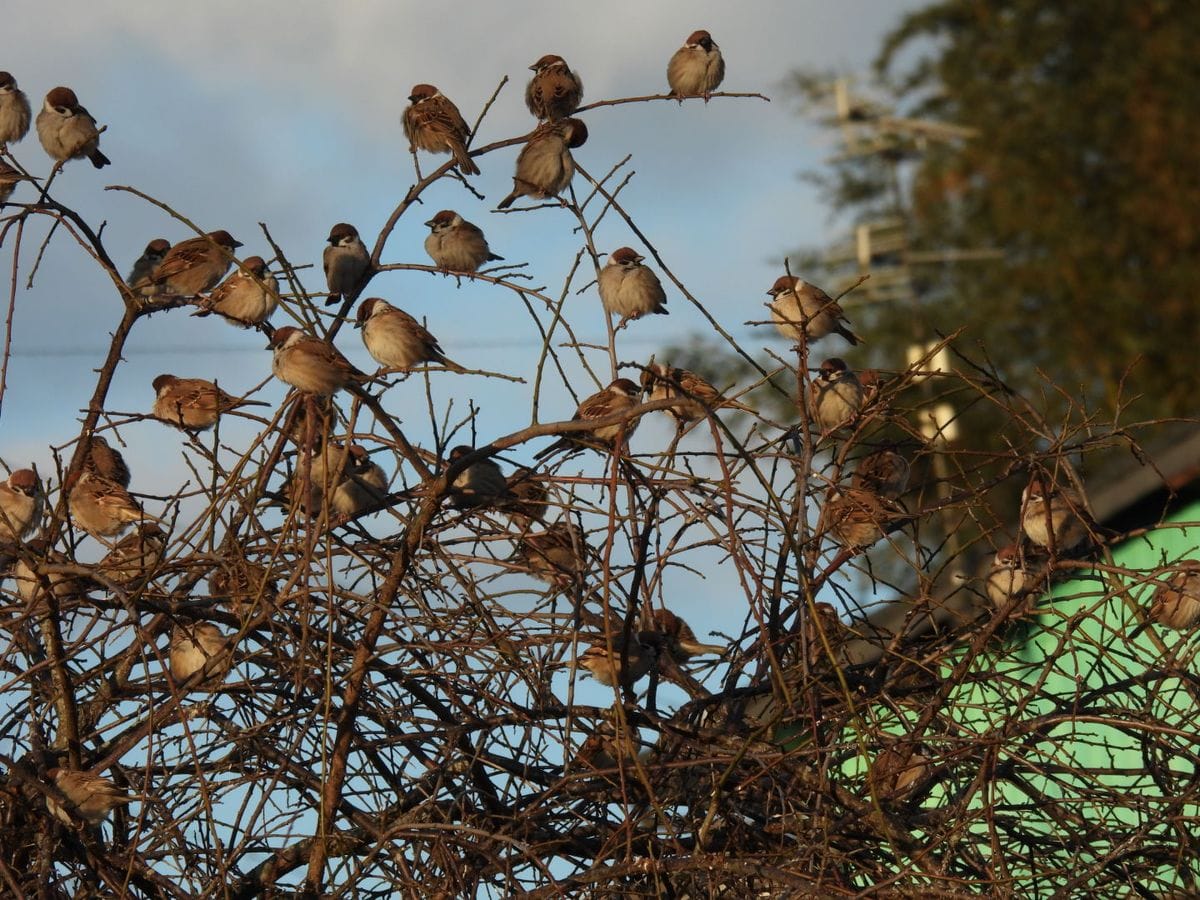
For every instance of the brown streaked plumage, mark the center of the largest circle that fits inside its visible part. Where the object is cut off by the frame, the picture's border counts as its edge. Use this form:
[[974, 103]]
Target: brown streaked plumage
[[834, 396], [697, 68], [456, 245], [554, 91], [248, 297], [395, 339], [545, 166], [310, 364], [67, 130], [618, 397], [193, 403], [345, 261], [804, 311], [193, 266], [92, 796], [629, 289], [696, 397], [21, 503], [433, 124], [1176, 602], [15, 112]]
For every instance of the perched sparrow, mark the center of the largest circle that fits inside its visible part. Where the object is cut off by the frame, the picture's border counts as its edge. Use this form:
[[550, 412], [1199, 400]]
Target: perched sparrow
[[802, 308], [823, 634], [248, 297], [106, 461], [310, 364], [480, 484], [1176, 602], [434, 124], [193, 403], [345, 259], [101, 507], [629, 289], [680, 640], [545, 166], [21, 502], [200, 646], [93, 797], [885, 472], [455, 244], [896, 770], [697, 398], [834, 396], [618, 397], [1053, 517], [136, 555], [243, 585], [551, 555], [348, 476], [606, 667], [193, 266], [871, 385], [554, 91], [696, 69], [143, 268], [858, 518], [395, 339], [14, 111], [29, 583], [67, 130], [1006, 578], [528, 496], [9, 179], [605, 749]]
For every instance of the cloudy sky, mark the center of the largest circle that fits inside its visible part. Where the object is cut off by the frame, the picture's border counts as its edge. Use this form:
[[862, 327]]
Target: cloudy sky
[[288, 114]]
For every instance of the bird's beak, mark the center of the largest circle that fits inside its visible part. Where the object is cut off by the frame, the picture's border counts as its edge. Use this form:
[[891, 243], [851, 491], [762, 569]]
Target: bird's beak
[[237, 244], [429, 224]]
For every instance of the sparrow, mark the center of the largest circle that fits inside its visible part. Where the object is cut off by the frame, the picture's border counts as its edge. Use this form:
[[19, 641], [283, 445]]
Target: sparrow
[[554, 91], [455, 244], [100, 506], [885, 472], [1053, 517], [346, 259], [697, 398], [395, 339], [1176, 601], [243, 584], [193, 266], [434, 124], [248, 297], [607, 667], [896, 770], [139, 275], [480, 484], [200, 646], [545, 166], [857, 518], [824, 636], [91, 796], [1006, 577], [835, 395], [680, 640], [67, 130], [136, 555], [551, 555], [604, 749], [14, 111], [618, 397], [802, 308], [697, 68], [348, 476], [21, 502], [528, 498], [310, 364], [629, 289], [9, 179], [106, 461], [192, 403], [29, 584]]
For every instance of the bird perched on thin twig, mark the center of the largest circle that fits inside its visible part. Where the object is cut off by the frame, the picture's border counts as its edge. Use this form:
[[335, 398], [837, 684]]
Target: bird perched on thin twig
[[30, 577], [135, 556], [193, 266], [9, 179], [345, 477], [482, 483], [629, 289], [92, 797], [144, 266], [248, 297], [528, 498], [1054, 516], [21, 503], [396, 340], [243, 585], [200, 647], [106, 461], [345, 261], [804, 312], [1006, 576], [310, 364], [696, 397], [434, 124], [545, 166], [554, 91], [193, 403], [456, 245], [885, 472], [67, 130], [680, 640], [620, 396], [1176, 602], [857, 518], [607, 668], [835, 395], [697, 68], [101, 507], [15, 113], [897, 770], [557, 556]]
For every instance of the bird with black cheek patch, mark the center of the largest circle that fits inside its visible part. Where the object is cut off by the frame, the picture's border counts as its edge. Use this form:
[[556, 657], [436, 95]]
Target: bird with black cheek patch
[[697, 68], [618, 397], [433, 124], [885, 472], [67, 130], [93, 797], [557, 556], [804, 312], [144, 265], [193, 266], [310, 364], [482, 483], [1054, 516], [9, 179], [1176, 601], [834, 396], [554, 91], [248, 297], [15, 113], [1006, 578], [456, 245], [396, 340], [193, 403], [21, 503], [696, 398], [629, 289], [345, 261], [545, 166]]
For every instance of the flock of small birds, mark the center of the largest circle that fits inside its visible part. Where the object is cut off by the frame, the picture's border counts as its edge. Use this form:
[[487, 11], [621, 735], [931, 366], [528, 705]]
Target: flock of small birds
[[342, 481]]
